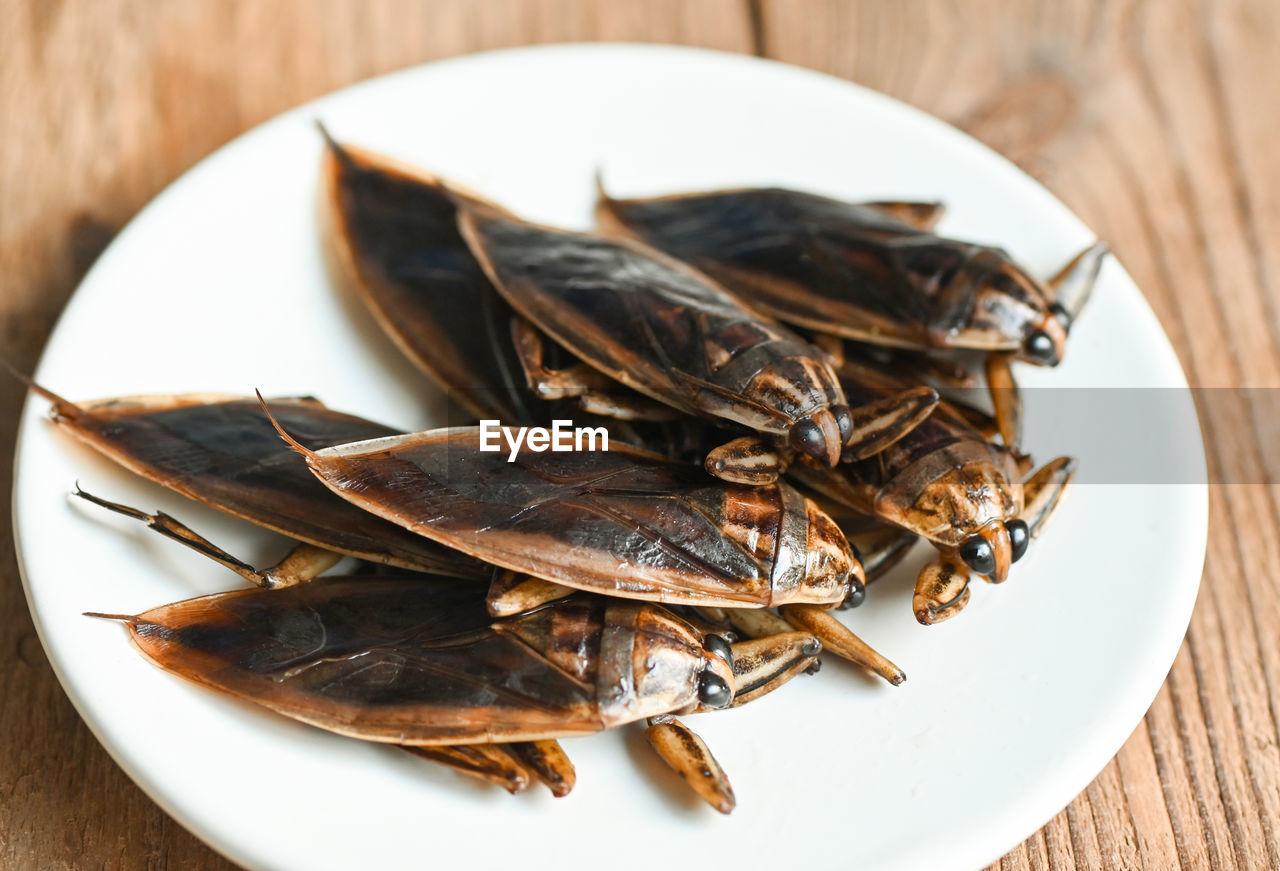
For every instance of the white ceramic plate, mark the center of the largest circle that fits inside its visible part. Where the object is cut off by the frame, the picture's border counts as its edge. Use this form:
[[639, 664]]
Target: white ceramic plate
[[220, 284]]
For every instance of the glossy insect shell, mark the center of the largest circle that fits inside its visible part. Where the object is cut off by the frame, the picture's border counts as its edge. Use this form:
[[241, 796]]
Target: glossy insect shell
[[623, 521], [418, 661], [657, 326], [395, 234], [223, 451], [953, 492], [848, 269]]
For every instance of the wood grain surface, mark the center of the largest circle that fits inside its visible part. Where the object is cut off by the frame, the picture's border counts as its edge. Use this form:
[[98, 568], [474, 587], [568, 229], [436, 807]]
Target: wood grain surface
[[1155, 121]]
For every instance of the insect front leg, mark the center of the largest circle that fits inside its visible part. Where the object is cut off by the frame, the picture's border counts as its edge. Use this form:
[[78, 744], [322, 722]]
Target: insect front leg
[[304, 562], [623, 404], [686, 752], [942, 589], [596, 392], [763, 664], [879, 424], [747, 460]]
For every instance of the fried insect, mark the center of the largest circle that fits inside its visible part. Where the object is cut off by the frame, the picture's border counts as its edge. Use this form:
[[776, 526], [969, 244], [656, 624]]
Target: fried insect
[[624, 522], [946, 482], [417, 662], [224, 452], [871, 272]]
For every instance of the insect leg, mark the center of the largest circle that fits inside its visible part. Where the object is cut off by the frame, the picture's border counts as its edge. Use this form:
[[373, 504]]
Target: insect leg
[[879, 424], [746, 460], [836, 638], [1005, 399], [718, 616], [682, 749], [489, 762], [304, 562], [512, 593], [942, 590], [922, 216], [757, 622], [575, 380], [548, 762], [623, 404], [708, 621], [761, 665], [1073, 284], [183, 534], [596, 392], [1043, 490]]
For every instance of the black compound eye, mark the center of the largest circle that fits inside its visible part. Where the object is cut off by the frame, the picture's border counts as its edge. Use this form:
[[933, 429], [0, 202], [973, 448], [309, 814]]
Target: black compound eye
[[978, 555], [856, 596], [806, 437], [713, 691], [1040, 347], [1019, 537], [844, 420], [717, 645]]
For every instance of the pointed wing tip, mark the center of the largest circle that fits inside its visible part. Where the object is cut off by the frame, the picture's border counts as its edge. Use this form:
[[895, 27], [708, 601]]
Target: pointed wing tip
[[290, 440]]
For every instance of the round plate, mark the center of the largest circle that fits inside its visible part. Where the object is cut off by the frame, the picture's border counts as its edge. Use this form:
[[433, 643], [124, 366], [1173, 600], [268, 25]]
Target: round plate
[[221, 285]]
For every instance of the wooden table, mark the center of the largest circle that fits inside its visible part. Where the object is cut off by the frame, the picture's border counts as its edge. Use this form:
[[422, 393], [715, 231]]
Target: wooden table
[[1156, 122]]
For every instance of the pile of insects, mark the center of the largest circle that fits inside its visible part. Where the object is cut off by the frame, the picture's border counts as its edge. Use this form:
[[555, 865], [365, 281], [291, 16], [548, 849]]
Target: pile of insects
[[780, 381]]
